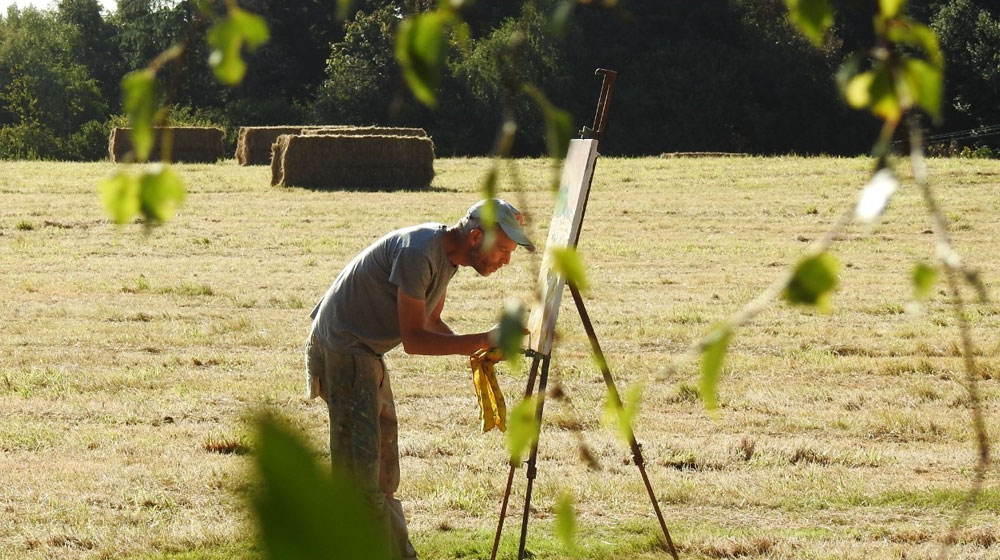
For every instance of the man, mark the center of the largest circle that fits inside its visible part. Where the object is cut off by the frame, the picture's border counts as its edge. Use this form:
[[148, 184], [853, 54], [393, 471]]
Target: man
[[393, 293]]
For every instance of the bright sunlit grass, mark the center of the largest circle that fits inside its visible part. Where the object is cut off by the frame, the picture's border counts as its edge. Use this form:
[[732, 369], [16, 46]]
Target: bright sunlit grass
[[129, 361]]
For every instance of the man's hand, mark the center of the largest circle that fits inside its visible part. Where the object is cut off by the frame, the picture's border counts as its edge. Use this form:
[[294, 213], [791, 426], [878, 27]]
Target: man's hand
[[419, 339], [495, 334]]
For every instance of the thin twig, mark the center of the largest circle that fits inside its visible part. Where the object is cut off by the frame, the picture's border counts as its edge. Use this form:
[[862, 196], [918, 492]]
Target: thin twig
[[953, 266]]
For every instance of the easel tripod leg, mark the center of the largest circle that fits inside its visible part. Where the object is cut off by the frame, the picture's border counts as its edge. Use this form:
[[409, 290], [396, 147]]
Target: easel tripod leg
[[510, 474], [616, 399], [531, 471]]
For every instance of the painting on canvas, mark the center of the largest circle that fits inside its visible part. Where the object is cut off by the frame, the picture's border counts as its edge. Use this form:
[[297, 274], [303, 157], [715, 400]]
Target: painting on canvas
[[564, 230]]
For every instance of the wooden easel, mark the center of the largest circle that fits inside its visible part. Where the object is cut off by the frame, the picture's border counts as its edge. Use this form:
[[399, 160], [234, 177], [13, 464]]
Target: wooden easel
[[538, 359]]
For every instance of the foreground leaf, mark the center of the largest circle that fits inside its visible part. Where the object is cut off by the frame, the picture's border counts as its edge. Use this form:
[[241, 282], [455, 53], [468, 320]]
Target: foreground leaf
[[857, 90], [923, 277], [227, 37], [303, 512], [512, 332], [139, 89], [912, 33], [120, 195], [344, 8], [925, 83], [884, 97], [890, 8], [566, 521], [420, 51], [558, 124], [812, 17], [621, 415], [813, 281], [713, 354], [522, 429], [161, 193], [566, 261]]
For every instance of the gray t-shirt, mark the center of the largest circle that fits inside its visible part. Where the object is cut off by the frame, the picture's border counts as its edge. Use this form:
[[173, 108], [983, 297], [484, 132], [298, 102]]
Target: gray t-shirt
[[358, 314]]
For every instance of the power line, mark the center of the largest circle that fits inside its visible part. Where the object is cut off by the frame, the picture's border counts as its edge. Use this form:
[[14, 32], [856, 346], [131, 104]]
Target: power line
[[980, 132]]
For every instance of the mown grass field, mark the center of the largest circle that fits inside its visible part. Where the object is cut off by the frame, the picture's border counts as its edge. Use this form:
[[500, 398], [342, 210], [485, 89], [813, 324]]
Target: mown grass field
[[131, 362]]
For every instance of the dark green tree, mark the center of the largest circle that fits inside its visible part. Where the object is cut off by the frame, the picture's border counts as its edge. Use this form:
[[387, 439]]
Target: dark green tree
[[94, 46], [45, 94], [970, 42], [361, 73]]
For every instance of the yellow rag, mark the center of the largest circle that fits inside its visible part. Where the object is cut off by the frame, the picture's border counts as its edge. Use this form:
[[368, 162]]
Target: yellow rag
[[492, 408]]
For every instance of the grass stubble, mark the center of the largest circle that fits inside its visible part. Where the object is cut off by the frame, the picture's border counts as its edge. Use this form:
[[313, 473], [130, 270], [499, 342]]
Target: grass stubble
[[129, 364]]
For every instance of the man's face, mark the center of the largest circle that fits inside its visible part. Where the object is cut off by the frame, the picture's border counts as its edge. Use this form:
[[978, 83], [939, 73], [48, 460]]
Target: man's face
[[487, 261]]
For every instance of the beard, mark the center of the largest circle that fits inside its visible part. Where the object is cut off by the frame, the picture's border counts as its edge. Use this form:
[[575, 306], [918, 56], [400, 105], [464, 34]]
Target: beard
[[478, 263]]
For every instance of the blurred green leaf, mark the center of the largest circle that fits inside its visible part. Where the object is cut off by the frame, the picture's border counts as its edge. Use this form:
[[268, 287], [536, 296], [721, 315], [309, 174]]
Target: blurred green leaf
[[923, 277], [226, 38], [120, 195], [873, 89], [885, 102], [918, 35], [558, 132], [813, 281], [561, 15], [161, 192], [566, 521], [488, 218], [252, 27], [303, 512], [558, 124], [890, 8], [490, 183], [857, 90], [204, 7], [420, 51], [512, 332], [812, 17], [621, 415], [566, 261], [140, 104], [925, 83], [713, 354], [522, 429], [344, 8]]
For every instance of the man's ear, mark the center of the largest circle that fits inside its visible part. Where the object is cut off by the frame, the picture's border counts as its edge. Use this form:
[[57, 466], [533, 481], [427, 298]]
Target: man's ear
[[475, 238]]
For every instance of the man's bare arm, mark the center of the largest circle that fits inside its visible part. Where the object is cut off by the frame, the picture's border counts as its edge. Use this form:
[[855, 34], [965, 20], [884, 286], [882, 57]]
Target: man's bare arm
[[421, 335], [434, 322]]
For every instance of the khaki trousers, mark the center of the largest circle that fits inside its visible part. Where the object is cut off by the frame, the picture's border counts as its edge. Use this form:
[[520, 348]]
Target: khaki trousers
[[363, 430]]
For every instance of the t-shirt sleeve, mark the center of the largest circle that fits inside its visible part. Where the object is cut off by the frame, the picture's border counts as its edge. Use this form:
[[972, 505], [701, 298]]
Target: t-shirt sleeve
[[411, 271]]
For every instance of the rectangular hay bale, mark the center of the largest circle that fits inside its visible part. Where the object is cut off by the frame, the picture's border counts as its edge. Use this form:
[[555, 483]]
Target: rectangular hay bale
[[189, 144], [365, 131], [253, 144], [353, 162]]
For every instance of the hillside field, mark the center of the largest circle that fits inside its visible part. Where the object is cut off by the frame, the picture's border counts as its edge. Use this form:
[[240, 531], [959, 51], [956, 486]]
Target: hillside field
[[132, 361]]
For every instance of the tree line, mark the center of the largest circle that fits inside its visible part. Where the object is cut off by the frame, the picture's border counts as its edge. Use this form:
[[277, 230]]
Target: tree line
[[719, 75]]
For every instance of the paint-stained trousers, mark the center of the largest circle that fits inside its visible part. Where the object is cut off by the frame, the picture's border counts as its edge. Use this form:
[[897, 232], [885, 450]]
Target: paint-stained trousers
[[363, 430]]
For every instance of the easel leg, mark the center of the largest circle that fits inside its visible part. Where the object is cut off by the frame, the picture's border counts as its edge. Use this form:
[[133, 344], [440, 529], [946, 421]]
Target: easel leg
[[614, 395], [531, 471], [510, 475]]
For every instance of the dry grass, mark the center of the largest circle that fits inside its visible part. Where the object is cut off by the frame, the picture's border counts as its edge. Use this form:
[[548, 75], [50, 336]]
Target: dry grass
[[128, 364]]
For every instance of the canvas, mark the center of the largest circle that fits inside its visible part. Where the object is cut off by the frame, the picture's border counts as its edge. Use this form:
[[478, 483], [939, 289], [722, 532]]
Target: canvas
[[564, 231]]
